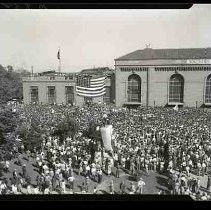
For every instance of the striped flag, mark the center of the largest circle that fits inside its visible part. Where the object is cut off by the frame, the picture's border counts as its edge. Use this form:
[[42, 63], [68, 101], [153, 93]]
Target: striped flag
[[90, 87]]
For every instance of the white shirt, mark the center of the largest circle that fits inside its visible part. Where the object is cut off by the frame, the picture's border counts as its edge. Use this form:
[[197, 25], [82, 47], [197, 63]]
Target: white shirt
[[184, 163], [85, 162], [29, 190], [93, 170], [141, 183], [203, 198], [198, 164], [45, 167], [57, 171], [14, 189], [203, 165], [46, 191], [7, 163], [87, 168], [71, 179], [63, 185], [62, 166], [100, 172], [36, 191]]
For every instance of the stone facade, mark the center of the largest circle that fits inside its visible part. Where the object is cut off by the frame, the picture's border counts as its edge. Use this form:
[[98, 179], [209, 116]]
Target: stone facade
[[158, 73], [60, 82], [155, 68]]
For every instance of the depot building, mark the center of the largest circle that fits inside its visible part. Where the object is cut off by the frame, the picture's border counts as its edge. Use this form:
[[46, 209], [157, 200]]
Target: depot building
[[164, 77], [51, 87], [146, 77]]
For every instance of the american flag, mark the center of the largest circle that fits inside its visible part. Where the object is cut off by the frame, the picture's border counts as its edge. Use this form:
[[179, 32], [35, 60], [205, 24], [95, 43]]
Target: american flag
[[88, 86]]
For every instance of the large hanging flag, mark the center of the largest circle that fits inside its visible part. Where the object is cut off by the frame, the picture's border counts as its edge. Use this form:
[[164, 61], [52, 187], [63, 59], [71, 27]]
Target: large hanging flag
[[87, 86], [106, 133], [58, 54]]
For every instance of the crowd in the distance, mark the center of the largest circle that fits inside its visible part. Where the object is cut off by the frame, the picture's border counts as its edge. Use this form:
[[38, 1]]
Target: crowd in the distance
[[139, 143]]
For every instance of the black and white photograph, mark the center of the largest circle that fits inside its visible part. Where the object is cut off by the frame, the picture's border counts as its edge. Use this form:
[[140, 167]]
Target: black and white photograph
[[106, 102]]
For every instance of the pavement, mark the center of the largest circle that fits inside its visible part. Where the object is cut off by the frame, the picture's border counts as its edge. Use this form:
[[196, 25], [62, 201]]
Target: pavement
[[154, 181]]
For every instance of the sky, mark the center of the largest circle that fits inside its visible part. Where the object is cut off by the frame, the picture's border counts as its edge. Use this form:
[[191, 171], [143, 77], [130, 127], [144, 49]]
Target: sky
[[94, 38]]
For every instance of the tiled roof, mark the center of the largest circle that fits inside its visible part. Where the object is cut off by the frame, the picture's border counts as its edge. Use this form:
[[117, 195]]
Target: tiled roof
[[160, 54], [103, 70]]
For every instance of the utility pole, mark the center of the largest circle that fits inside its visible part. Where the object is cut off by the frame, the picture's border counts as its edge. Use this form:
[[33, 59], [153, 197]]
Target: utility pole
[[32, 71]]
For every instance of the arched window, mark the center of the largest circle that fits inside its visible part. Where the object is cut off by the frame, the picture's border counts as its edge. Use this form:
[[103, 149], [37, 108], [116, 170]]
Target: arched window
[[176, 88], [134, 88], [208, 90]]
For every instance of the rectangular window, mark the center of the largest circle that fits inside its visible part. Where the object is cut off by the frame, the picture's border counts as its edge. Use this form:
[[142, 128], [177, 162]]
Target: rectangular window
[[34, 94], [69, 91], [175, 92], [51, 94], [70, 77], [133, 91], [107, 95], [208, 91]]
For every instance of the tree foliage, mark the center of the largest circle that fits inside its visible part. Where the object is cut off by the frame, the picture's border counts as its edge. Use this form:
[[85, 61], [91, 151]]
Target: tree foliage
[[11, 84], [67, 128], [8, 124], [31, 138]]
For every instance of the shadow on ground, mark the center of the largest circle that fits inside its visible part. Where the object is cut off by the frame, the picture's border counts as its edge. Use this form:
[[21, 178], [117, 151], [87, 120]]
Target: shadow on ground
[[162, 181]]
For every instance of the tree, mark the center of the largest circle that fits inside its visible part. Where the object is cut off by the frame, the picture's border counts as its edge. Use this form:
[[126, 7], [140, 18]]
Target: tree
[[67, 128], [10, 69], [8, 124], [31, 138], [10, 84]]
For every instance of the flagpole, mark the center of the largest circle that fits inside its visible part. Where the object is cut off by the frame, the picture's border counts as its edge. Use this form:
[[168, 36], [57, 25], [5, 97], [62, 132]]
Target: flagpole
[[59, 58], [60, 65]]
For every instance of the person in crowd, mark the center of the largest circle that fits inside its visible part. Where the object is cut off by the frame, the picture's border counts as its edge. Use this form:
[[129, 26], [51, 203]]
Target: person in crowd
[[71, 180], [36, 190], [24, 171], [209, 184], [87, 184], [117, 170], [122, 187], [14, 189], [139, 144], [132, 188], [46, 191], [15, 174], [7, 165], [99, 176], [95, 190], [111, 187], [141, 185], [63, 186], [29, 190]]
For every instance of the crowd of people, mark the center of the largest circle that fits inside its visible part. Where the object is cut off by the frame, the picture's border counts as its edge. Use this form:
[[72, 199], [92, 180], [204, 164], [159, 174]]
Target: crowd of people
[[140, 139]]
